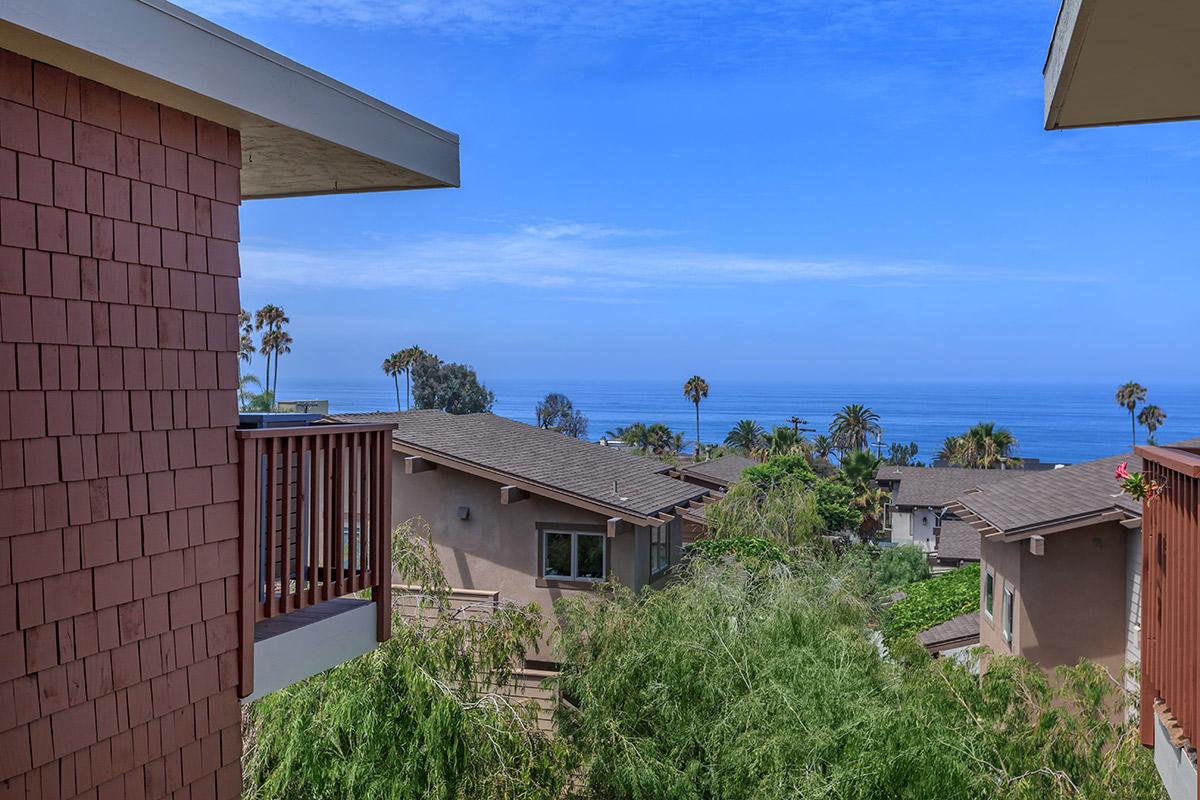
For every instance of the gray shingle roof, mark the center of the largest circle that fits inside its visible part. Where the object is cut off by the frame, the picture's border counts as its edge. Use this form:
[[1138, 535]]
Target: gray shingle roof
[[957, 540], [935, 487], [541, 457], [725, 470], [1038, 499], [958, 632]]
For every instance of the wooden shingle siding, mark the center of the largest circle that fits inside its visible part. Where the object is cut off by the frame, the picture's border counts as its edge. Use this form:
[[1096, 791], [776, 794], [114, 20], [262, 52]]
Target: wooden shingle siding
[[118, 474]]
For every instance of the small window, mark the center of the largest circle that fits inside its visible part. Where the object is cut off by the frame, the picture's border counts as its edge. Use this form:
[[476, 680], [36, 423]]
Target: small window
[[660, 549], [989, 592], [1007, 621], [574, 555]]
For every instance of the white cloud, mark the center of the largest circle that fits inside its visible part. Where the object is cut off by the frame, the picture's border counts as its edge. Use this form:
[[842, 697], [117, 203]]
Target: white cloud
[[581, 261]]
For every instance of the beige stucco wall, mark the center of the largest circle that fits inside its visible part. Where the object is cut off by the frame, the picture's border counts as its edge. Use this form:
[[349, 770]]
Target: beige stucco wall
[[496, 547], [1070, 602]]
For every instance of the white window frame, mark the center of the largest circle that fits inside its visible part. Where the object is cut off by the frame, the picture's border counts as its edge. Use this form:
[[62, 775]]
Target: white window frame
[[989, 592], [660, 536], [1008, 613], [574, 576]]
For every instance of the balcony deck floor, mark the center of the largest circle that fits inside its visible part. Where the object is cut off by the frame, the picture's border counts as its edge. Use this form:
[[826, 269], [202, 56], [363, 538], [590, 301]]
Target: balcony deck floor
[[267, 628]]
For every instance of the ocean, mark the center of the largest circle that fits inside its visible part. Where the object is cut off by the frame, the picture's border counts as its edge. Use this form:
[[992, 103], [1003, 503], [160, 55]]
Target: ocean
[[1060, 423]]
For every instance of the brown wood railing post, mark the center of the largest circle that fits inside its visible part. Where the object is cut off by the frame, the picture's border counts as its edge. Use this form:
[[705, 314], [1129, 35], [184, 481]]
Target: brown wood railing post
[[248, 607], [382, 592]]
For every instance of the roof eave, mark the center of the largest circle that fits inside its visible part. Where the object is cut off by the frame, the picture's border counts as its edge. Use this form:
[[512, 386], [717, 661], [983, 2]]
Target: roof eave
[[303, 133], [535, 487]]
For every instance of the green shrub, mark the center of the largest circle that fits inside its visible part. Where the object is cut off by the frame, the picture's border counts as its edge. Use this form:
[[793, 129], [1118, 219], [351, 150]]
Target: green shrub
[[897, 567], [933, 602]]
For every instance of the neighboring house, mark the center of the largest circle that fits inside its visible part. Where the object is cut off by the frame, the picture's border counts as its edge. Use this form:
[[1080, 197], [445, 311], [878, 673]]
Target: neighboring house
[[530, 513], [1060, 566], [917, 510], [717, 473], [133, 615], [1107, 66]]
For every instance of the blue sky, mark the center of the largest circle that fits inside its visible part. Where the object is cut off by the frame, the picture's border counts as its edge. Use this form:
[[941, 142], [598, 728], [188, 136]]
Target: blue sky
[[815, 190]]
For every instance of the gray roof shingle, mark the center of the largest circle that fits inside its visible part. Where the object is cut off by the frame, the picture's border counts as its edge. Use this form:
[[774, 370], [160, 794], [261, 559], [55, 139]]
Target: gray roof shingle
[[725, 470], [960, 631], [1039, 499], [935, 487], [957, 540], [541, 457]]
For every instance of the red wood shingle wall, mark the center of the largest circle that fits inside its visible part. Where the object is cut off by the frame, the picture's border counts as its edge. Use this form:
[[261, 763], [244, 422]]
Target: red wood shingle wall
[[118, 495]]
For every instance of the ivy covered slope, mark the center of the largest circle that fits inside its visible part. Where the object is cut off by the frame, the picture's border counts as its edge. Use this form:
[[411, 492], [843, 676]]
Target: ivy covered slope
[[932, 602]]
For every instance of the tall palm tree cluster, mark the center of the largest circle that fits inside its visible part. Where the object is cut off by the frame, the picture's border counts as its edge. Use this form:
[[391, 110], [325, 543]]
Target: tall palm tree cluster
[[402, 362], [982, 446], [274, 341], [1151, 417]]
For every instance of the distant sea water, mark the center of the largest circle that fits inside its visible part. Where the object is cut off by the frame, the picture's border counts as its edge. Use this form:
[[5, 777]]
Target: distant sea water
[[1059, 423]]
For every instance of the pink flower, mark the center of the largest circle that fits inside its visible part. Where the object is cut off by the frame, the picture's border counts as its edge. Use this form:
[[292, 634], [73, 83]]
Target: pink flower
[[1123, 471]]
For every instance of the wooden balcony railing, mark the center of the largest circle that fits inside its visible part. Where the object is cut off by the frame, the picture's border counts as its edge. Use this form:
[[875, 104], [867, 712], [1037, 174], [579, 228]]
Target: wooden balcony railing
[[315, 523], [1170, 640]]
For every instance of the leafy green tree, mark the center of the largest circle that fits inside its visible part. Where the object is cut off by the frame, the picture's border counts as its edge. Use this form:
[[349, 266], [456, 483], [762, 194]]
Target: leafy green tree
[[831, 501], [1129, 394], [422, 716], [853, 427], [902, 455], [1151, 417], [453, 388], [556, 412], [696, 389], [747, 436]]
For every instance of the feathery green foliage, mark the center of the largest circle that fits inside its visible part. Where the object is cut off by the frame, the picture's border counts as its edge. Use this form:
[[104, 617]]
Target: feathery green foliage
[[738, 682], [416, 718]]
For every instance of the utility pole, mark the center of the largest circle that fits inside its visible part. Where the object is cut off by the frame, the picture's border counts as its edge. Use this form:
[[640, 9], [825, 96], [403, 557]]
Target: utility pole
[[796, 422]]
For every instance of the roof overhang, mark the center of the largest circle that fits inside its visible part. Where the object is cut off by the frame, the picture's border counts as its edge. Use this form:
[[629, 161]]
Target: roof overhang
[[964, 512], [1116, 62], [657, 517], [302, 132]]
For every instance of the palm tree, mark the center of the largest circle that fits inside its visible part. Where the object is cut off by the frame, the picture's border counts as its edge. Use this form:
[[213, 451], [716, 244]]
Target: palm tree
[[1129, 394], [859, 468], [1152, 417], [983, 446], [283, 344], [696, 389], [822, 446], [853, 426], [391, 366], [271, 319], [873, 502], [409, 357], [784, 441], [246, 339], [746, 435], [635, 434], [245, 396]]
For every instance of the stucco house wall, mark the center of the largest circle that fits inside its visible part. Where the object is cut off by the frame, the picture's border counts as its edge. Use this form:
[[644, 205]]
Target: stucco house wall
[[1070, 602], [118, 487], [497, 547], [915, 526]]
